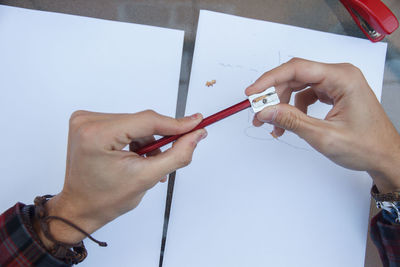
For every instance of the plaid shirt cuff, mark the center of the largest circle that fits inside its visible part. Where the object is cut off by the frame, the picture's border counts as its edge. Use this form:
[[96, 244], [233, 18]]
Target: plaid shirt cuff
[[386, 237], [18, 247]]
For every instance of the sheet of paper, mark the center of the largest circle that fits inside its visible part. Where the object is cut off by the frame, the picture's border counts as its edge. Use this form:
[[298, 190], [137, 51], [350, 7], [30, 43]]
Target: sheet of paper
[[53, 64], [250, 200]]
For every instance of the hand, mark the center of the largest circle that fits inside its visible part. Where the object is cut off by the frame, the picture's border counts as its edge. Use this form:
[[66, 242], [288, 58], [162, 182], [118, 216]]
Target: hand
[[356, 133], [102, 180]]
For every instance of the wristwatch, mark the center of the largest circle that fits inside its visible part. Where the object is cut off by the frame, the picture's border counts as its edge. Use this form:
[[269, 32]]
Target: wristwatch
[[389, 202]]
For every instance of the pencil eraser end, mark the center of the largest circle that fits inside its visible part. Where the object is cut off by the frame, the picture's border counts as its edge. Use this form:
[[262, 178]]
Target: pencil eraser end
[[264, 99]]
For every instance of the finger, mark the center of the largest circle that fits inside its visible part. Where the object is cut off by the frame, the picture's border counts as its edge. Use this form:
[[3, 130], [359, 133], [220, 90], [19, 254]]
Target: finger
[[284, 89], [256, 122], [290, 118], [304, 99], [324, 97], [148, 122], [153, 153], [84, 116], [278, 131], [284, 96], [164, 179], [297, 70], [121, 131], [285, 93], [178, 156]]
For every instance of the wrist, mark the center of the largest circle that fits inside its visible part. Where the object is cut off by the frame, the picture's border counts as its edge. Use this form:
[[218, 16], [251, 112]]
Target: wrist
[[64, 242], [387, 176], [59, 206]]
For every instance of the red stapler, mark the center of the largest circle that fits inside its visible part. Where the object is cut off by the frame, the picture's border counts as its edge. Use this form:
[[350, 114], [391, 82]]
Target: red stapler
[[373, 17]]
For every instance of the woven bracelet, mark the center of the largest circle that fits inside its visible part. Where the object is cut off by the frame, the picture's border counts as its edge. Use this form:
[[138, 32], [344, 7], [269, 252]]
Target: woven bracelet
[[61, 250]]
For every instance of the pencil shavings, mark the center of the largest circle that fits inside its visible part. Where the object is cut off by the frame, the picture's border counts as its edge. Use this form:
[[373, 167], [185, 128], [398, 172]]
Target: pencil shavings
[[211, 83], [273, 135]]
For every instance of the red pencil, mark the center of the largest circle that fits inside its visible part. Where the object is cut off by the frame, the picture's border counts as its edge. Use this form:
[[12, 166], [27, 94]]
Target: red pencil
[[205, 122]]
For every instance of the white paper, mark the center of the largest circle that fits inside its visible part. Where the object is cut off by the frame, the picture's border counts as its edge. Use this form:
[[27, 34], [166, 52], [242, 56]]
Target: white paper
[[250, 200], [53, 64]]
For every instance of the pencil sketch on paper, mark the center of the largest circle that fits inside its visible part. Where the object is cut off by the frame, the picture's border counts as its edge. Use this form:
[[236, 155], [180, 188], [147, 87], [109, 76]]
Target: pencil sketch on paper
[[237, 66], [276, 60], [249, 74]]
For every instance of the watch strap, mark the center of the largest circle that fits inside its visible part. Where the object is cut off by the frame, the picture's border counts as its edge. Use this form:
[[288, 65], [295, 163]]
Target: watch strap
[[392, 196], [389, 203]]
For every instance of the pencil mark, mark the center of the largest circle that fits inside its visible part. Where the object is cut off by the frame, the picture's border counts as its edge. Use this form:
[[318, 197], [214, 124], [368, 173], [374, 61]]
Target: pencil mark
[[279, 57], [249, 132], [226, 65], [250, 116], [262, 133], [283, 58], [265, 136], [293, 146], [242, 67]]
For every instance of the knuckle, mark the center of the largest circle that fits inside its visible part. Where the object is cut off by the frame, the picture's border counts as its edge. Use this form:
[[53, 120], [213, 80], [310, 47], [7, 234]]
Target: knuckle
[[179, 123], [352, 70], [142, 181], [150, 116], [78, 117], [288, 119], [149, 113], [87, 132], [184, 159], [349, 66], [352, 76], [295, 60]]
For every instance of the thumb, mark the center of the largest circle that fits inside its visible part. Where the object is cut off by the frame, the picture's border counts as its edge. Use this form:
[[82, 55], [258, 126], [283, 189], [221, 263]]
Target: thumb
[[292, 119], [178, 156]]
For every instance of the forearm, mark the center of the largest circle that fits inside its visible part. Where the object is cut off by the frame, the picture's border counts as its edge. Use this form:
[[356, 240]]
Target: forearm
[[19, 245], [24, 241], [386, 236], [385, 227]]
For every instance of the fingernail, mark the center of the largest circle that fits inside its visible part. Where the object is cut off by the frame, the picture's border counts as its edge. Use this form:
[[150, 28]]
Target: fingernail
[[274, 135], [245, 91], [195, 116], [201, 136], [268, 115]]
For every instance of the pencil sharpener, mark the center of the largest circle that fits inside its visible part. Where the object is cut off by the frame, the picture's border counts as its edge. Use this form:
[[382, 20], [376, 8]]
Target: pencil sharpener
[[264, 99]]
